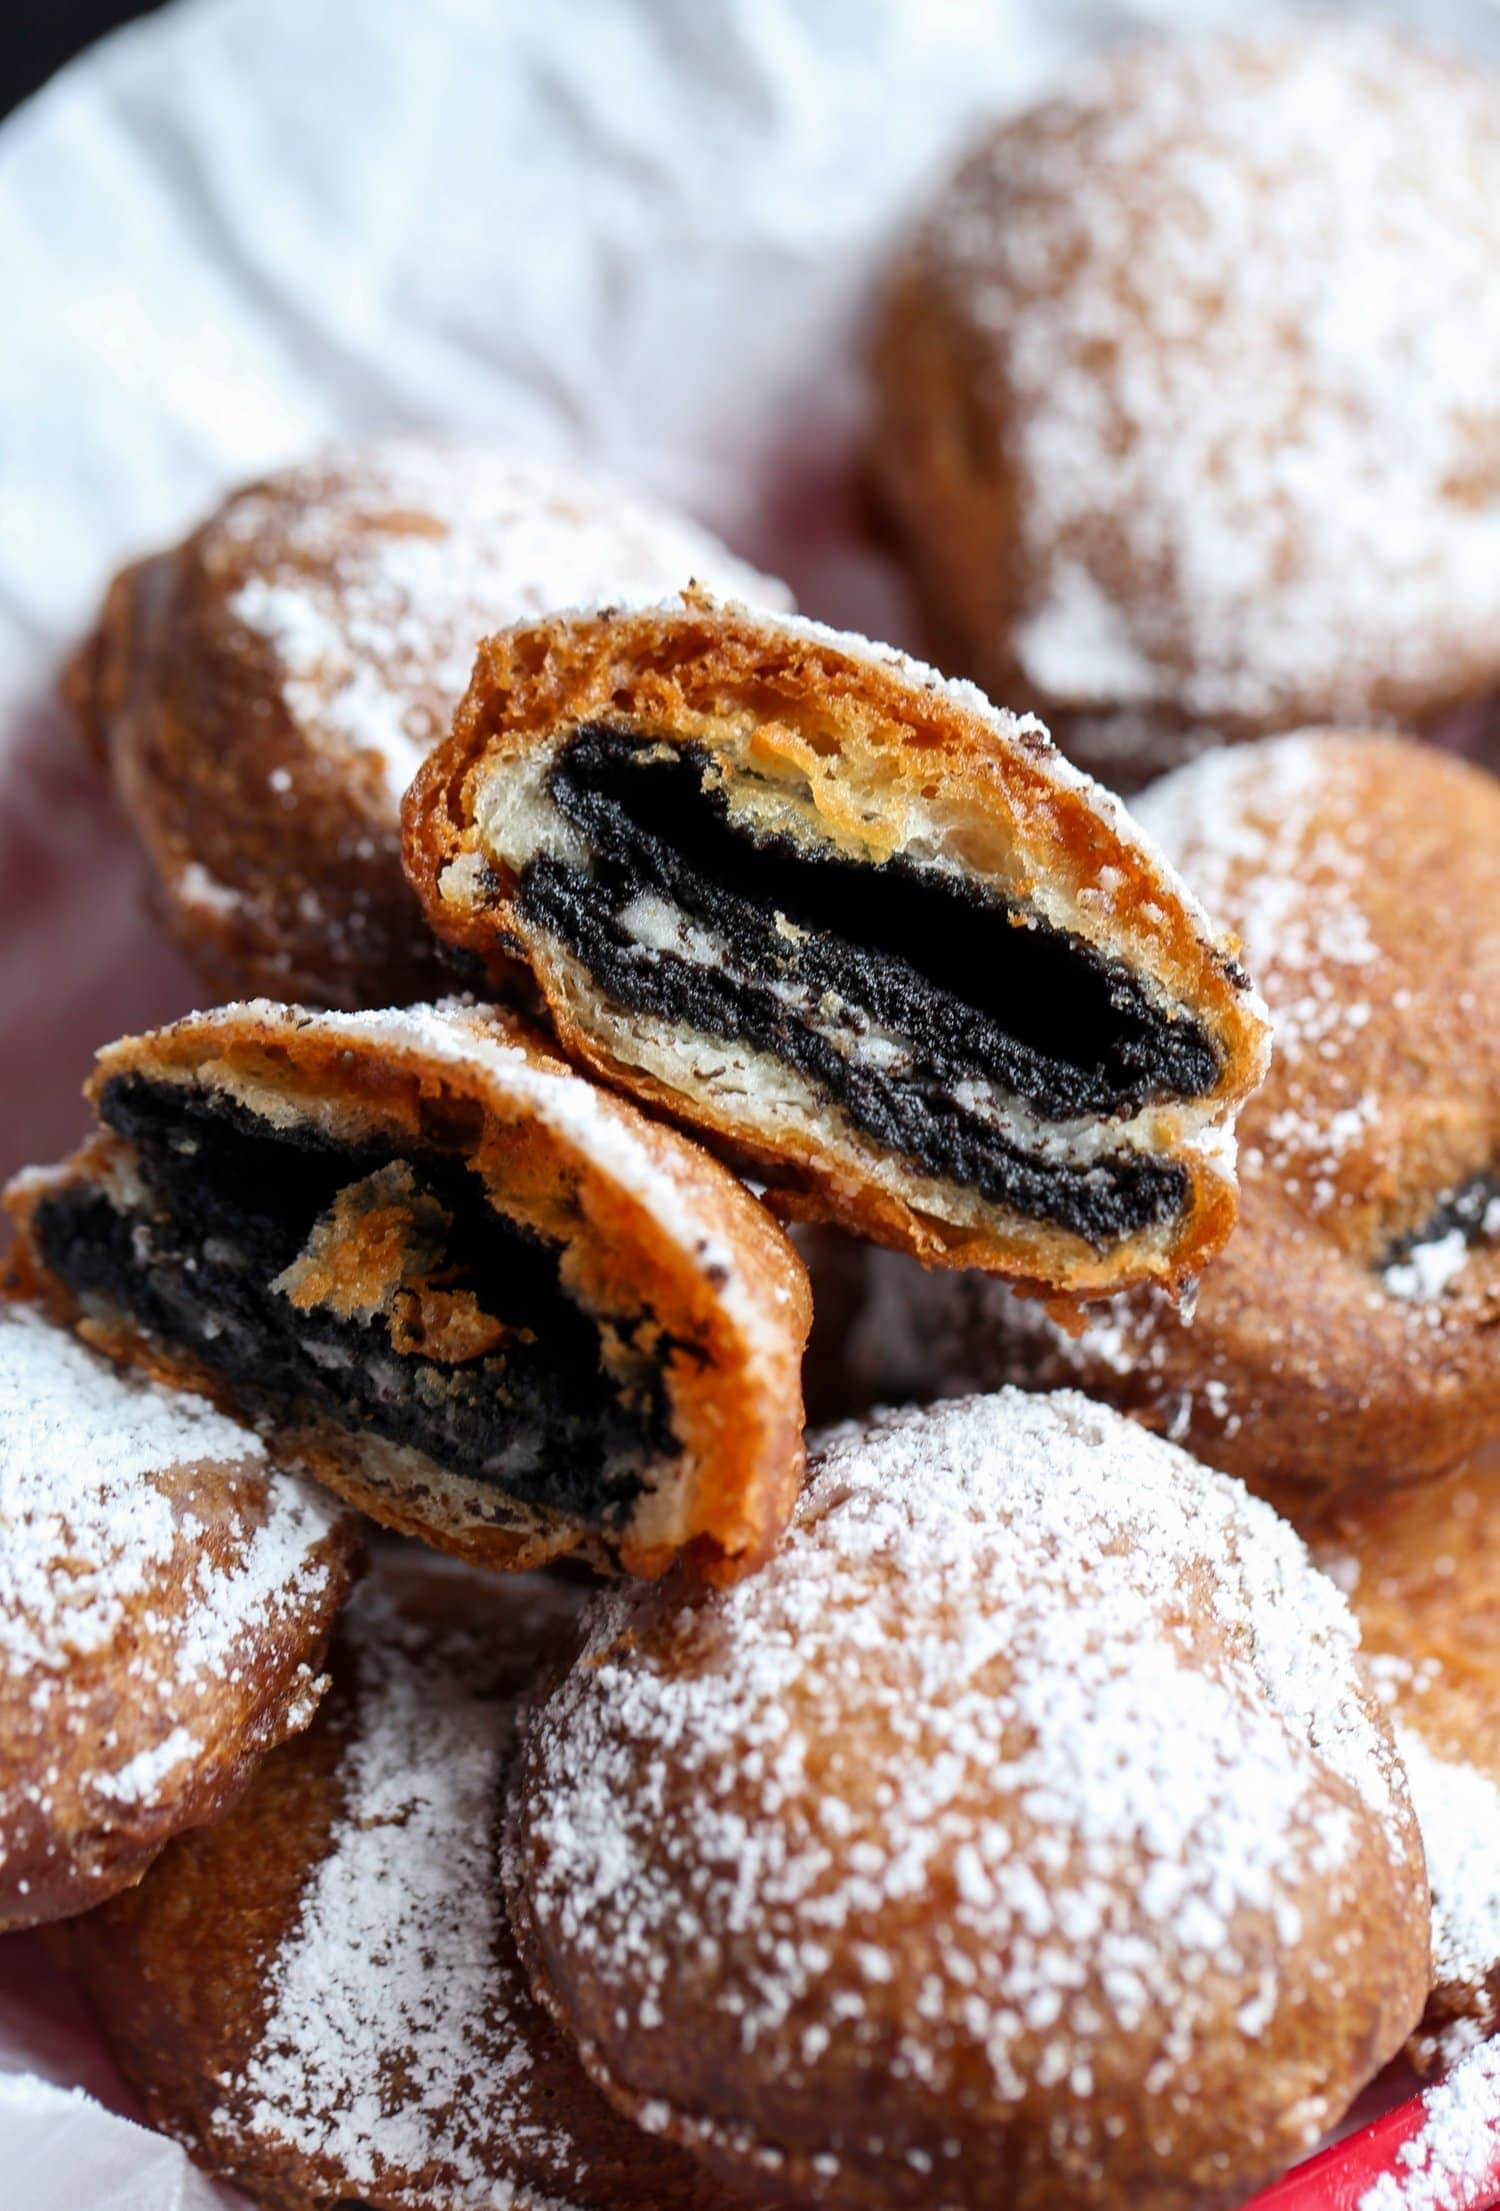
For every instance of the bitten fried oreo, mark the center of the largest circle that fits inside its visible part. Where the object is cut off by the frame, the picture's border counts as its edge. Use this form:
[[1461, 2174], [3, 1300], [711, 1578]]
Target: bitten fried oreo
[[1185, 396], [1422, 1572], [320, 1997], [263, 693], [485, 1301], [1349, 1337], [166, 1593], [1024, 1837], [866, 932]]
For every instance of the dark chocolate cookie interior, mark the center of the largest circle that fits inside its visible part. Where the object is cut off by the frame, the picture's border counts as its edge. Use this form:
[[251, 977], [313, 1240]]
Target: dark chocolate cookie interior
[[817, 950], [231, 1204]]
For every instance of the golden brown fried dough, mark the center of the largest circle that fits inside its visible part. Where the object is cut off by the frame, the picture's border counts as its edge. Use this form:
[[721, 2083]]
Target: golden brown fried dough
[[489, 1303], [869, 934], [1422, 1572], [1185, 396], [166, 1593], [263, 693], [320, 1997], [1349, 1336], [1024, 1836]]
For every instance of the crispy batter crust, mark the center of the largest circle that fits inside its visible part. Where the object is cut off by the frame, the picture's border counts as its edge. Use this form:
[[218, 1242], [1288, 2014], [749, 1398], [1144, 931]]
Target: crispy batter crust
[[128, 1737], [182, 1975], [1422, 1571], [644, 1216], [857, 737]]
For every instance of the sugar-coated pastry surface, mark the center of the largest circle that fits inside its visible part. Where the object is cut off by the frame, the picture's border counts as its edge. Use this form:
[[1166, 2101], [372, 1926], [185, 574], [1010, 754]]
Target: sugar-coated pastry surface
[[488, 1302], [1185, 394], [263, 693], [320, 1996], [867, 932], [1025, 1834], [166, 1593], [1346, 1338], [1421, 1569]]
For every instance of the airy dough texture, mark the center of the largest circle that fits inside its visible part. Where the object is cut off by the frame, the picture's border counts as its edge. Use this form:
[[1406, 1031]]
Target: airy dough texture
[[828, 743]]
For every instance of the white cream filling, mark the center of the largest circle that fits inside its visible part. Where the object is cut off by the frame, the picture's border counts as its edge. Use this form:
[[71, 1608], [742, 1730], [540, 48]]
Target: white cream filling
[[516, 817]]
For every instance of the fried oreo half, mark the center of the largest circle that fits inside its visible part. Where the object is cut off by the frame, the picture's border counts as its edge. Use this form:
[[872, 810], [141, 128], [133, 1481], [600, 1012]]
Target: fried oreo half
[[484, 1300], [869, 934]]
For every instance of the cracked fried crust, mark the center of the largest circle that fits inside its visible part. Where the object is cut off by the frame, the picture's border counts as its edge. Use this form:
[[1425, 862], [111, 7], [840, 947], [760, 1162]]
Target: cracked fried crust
[[641, 1216], [847, 747]]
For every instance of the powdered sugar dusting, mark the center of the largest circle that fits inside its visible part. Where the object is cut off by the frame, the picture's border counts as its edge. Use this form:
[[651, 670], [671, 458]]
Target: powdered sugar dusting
[[1452, 2162], [1428, 1268], [147, 1551], [140, 1779], [1271, 836], [1245, 825], [1458, 1810], [388, 2047], [975, 1668], [79, 1441], [1238, 295], [377, 590]]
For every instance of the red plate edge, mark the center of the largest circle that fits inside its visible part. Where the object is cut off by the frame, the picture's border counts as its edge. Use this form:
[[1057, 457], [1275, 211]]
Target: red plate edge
[[1337, 2177]]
